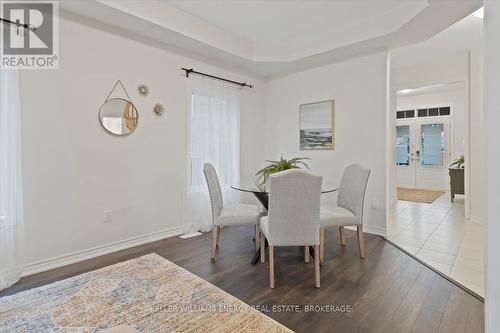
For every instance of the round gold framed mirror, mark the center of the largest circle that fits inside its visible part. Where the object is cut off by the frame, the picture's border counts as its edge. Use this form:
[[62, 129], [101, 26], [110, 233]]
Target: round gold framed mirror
[[118, 116]]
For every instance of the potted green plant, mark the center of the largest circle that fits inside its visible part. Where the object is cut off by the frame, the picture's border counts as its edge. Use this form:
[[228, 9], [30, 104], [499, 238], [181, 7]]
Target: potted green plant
[[278, 166], [459, 162]]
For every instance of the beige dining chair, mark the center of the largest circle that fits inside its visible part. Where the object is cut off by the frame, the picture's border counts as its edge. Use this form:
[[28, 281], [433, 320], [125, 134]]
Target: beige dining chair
[[293, 216], [349, 209], [230, 215]]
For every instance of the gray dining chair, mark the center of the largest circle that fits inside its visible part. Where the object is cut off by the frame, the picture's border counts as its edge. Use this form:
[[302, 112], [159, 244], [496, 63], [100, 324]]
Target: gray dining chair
[[349, 209], [229, 215], [293, 216]]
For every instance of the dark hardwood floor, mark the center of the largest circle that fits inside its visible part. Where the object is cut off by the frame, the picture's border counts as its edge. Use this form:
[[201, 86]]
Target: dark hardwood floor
[[387, 292]]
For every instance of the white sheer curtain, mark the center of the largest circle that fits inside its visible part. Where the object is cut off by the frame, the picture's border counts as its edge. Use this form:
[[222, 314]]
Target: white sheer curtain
[[213, 137], [11, 196]]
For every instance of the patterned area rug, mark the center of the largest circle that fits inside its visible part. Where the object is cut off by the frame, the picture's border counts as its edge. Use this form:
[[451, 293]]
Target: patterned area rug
[[148, 293], [416, 195]]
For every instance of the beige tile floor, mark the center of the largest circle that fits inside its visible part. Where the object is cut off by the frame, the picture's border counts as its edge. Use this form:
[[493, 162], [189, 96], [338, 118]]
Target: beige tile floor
[[439, 235]]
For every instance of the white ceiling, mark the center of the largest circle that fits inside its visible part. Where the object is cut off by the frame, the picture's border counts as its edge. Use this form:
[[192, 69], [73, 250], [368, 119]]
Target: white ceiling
[[289, 21], [272, 38], [431, 89], [456, 39]]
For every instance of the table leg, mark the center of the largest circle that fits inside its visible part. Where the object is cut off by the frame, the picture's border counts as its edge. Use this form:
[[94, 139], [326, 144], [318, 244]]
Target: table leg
[[256, 256], [264, 200]]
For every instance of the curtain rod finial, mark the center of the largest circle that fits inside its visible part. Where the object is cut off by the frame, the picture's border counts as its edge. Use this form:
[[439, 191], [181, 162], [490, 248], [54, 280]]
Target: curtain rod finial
[[188, 70]]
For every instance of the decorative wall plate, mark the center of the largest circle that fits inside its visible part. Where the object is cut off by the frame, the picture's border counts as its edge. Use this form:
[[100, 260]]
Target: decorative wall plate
[[143, 90], [158, 109]]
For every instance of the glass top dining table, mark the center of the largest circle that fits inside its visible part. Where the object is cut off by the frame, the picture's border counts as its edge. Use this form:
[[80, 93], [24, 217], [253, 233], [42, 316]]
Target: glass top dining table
[[262, 194], [255, 187]]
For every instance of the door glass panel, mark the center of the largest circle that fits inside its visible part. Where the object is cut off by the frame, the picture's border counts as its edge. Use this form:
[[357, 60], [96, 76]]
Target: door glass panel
[[432, 145], [403, 145]]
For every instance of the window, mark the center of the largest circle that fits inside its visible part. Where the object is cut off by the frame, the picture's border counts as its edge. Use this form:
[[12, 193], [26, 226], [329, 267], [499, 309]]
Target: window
[[434, 112], [213, 137], [405, 114], [444, 111], [410, 114], [422, 112], [11, 192], [214, 133]]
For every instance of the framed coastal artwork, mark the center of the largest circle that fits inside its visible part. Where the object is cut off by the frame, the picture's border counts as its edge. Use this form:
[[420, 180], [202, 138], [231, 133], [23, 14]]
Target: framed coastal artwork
[[317, 126]]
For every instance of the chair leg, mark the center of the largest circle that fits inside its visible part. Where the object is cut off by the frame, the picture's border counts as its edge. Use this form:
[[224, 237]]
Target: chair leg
[[257, 236], [317, 275], [218, 235], [215, 236], [342, 236], [271, 267], [361, 241], [322, 244], [262, 248], [306, 253]]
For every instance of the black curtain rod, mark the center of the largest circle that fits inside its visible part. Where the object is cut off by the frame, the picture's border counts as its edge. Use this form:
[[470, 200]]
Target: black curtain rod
[[192, 71], [18, 24]]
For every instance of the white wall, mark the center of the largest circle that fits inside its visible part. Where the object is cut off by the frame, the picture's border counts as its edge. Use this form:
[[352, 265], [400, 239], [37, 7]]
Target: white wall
[[391, 139], [492, 124], [454, 98], [74, 171], [359, 89], [476, 128], [452, 69]]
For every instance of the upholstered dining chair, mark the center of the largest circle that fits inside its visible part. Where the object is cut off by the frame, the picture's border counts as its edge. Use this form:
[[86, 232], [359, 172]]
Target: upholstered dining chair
[[293, 216], [230, 215], [349, 209]]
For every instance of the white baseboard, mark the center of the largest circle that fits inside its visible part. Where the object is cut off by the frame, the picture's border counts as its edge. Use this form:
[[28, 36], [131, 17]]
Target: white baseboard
[[191, 235], [371, 230], [374, 230], [476, 219], [71, 258]]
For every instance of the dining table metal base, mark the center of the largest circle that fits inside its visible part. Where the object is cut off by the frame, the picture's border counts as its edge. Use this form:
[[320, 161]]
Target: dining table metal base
[[256, 256]]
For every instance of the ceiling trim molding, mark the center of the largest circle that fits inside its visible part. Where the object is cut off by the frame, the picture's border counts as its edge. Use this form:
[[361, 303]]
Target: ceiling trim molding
[[167, 27]]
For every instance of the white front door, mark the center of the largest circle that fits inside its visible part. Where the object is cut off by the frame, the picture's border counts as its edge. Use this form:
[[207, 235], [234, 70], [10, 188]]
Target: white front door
[[423, 152]]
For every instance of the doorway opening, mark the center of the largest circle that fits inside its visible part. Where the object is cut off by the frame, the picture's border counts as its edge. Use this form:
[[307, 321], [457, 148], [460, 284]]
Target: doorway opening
[[436, 206], [422, 153]]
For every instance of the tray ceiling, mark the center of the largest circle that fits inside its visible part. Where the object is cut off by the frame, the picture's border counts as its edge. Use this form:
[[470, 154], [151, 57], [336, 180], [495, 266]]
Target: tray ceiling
[[273, 38]]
